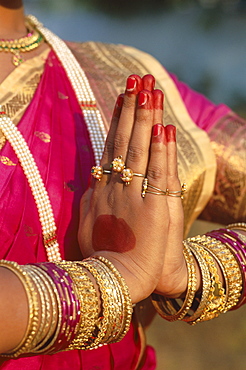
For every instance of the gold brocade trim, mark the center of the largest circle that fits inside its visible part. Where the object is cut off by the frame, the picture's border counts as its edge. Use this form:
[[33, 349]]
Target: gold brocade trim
[[228, 202], [107, 66], [18, 89]]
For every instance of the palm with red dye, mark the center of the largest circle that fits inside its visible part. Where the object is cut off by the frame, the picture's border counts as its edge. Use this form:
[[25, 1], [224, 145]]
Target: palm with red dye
[[113, 234]]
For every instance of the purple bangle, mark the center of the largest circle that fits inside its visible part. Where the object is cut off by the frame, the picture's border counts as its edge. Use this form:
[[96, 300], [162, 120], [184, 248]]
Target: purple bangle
[[235, 243], [73, 315], [70, 306], [65, 283], [60, 337]]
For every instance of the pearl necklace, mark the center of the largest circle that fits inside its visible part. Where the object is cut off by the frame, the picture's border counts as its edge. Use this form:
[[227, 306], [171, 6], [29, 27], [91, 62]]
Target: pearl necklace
[[36, 184], [94, 124], [81, 87]]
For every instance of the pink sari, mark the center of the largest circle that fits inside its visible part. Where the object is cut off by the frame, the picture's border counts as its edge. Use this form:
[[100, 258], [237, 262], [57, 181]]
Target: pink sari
[[55, 131], [57, 136]]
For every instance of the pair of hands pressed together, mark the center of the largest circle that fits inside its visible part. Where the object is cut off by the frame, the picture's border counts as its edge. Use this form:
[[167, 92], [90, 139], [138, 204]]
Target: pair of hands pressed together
[[142, 237]]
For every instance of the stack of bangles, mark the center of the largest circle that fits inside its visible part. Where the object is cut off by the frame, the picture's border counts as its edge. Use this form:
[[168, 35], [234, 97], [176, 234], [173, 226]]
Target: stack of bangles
[[219, 252], [65, 311]]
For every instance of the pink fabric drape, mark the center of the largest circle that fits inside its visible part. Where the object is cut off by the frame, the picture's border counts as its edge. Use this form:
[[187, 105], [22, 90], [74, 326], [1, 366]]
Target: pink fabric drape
[[57, 136]]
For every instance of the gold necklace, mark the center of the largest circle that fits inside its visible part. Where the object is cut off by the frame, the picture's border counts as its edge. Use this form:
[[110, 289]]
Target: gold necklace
[[16, 46]]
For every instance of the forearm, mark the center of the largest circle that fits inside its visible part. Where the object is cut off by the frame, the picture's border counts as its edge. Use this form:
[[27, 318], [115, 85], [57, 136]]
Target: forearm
[[61, 306], [13, 310]]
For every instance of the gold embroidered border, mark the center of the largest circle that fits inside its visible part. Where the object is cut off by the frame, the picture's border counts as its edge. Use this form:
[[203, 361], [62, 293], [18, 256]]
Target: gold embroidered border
[[228, 202], [18, 89]]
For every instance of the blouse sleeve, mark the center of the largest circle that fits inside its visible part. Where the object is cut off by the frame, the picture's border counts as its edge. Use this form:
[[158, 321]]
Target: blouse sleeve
[[227, 132]]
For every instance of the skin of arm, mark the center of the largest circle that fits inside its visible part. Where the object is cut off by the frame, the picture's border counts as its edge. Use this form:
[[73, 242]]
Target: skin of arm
[[13, 310]]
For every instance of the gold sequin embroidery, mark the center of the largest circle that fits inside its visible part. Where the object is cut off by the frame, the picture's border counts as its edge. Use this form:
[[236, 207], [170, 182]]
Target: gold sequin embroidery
[[7, 161], [42, 136]]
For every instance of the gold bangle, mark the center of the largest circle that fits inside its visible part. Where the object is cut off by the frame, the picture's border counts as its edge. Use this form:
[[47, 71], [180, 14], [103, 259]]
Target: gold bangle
[[33, 314], [127, 298], [44, 314], [168, 308], [115, 301], [48, 346], [86, 292], [230, 268], [217, 300], [51, 303], [200, 301], [105, 317], [105, 277], [238, 226]]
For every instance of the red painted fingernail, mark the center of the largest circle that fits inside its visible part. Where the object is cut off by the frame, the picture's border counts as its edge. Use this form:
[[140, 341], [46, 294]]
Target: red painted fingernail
[[148, 82], [158, 133], [142, 98], [170, 133], [131, 84], [158, 99], [120, 100]]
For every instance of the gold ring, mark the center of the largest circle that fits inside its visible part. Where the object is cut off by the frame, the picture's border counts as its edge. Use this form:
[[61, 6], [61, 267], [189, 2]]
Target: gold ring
[[118, 164], [97, 172], [171, 193], [177, 193], [127, 175], [144, 187]]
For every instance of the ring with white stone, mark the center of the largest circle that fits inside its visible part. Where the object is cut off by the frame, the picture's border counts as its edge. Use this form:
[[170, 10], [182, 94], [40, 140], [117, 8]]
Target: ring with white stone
[[118, 164], [97, 172], [127, 175]]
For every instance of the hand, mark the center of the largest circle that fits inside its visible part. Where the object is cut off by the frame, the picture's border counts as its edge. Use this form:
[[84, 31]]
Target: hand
[[116, 222], [173, 279]]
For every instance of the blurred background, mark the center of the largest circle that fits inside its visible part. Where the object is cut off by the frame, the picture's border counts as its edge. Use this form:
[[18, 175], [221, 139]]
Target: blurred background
[[204, 43]]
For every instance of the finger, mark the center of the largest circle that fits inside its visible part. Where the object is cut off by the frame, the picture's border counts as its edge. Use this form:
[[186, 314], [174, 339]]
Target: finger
[[176, 219], [134, 82], [173, 182], [126, 119], [108, 150], [157, 167], [158, 106], [138, 151], [104, 169], [148, 82]]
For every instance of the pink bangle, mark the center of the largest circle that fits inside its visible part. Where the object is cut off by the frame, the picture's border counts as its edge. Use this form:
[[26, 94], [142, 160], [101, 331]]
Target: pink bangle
[[70, 308]]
